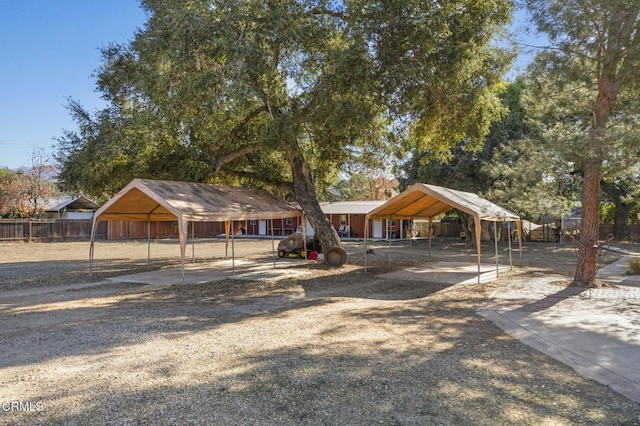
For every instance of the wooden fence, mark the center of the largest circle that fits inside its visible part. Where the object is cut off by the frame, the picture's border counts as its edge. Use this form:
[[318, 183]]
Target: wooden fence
[[80, 230], [49, 230]]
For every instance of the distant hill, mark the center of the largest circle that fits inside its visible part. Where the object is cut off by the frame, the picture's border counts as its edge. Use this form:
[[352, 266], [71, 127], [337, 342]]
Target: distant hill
[[50, 177]]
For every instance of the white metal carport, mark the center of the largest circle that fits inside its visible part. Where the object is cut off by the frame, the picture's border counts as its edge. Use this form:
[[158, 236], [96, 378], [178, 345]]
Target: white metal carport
[[422, 201], [155, 200]]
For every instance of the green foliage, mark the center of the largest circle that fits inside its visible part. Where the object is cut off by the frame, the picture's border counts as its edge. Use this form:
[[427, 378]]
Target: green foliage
[[513, 168], [233, 91], [634, 267], [607, 213], [564, 83], [622, 192], [362, 184], [594, 59]]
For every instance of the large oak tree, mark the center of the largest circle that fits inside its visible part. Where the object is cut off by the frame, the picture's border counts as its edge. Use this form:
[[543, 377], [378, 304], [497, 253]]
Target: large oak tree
[[282, 93]]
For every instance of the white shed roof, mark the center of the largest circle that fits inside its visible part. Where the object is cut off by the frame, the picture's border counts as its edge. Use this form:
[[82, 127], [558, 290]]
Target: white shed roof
[[350, 207]]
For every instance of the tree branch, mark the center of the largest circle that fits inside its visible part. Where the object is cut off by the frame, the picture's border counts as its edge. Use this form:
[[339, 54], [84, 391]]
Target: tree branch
[[237, 134], [241, 152], [285, 187], [324, 11]]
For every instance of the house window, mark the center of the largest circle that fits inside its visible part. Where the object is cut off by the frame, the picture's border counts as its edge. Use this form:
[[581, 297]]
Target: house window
[[289, 221], [343, 219], [393, 223], [253, 223]]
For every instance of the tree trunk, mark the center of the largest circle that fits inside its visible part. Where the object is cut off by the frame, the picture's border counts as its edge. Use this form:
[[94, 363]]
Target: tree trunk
[[608, 87], [305, 191], [585, 275], [468, 226]]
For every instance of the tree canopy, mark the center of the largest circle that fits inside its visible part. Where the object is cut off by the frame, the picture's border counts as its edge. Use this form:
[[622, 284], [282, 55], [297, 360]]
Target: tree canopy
[[513, 168], [585, 89], [283, 93]]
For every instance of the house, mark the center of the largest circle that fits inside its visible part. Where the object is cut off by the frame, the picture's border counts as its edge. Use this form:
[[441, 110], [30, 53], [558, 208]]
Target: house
[[348, 218], [69, 207]]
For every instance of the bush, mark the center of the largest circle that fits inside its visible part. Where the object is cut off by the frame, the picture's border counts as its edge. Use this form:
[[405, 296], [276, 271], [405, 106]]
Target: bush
[[634, 267]]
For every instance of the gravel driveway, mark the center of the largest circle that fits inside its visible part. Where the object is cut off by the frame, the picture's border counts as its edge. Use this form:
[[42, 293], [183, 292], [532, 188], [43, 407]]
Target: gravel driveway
[[334, 346]]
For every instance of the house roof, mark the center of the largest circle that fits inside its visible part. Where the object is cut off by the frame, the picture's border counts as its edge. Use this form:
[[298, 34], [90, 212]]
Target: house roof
[[156, 200], [349, 207], [78, 202], [427, 201]]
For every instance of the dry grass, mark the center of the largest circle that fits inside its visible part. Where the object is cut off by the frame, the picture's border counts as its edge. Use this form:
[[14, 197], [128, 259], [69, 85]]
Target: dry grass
[[335, 347]]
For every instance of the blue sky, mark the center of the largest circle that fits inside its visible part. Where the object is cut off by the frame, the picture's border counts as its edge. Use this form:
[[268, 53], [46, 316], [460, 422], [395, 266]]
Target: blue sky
[[49, 50]]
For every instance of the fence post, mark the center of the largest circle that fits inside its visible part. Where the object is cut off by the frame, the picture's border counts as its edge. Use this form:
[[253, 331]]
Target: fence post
[[29, 234]]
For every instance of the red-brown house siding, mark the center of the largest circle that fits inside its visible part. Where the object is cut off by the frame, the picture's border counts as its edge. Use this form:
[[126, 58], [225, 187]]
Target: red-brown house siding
[[122, 230], [354, 221], [353, 214]]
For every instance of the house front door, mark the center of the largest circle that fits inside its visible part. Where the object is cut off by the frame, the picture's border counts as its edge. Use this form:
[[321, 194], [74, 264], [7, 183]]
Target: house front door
[[377, 228]]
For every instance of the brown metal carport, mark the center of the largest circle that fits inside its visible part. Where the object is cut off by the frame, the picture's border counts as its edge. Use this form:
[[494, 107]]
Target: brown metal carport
[[422, 201], [155, 200]]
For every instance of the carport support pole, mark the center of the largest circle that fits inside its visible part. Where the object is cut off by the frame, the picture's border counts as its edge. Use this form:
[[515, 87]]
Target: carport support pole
[[273, 244], [193, 242], [495, 239], [519, 233], [429, 231], [233, 251], [304, 239], [183, 230], [366, 235], [510, 256], [389, 238], [227, 225], [92, 246], [148, 241], [478, 232]]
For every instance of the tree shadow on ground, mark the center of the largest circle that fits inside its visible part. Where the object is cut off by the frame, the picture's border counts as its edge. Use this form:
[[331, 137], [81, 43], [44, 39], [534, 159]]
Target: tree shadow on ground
[[357, 284], [353, 349], [25, 275], [129, 312], [426, 361], [550, 300]]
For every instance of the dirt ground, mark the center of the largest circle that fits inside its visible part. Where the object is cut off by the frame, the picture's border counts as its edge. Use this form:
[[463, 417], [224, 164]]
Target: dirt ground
[[335, 346]]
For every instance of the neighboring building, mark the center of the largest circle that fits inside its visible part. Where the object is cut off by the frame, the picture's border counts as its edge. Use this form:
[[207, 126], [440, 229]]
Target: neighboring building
[[348, 218], [279, 227], [69, 207], [570, 223]]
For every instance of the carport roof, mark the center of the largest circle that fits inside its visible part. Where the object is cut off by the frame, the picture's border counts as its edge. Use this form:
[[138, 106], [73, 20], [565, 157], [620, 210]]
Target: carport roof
[[156, 200], [427, 201]]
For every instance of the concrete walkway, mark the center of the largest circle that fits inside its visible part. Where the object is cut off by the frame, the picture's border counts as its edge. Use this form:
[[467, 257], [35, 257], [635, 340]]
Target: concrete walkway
[[259, 269], [594, 331]]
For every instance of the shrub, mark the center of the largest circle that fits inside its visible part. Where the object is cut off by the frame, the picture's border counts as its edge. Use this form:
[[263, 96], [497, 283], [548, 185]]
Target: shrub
[[634, 267]]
